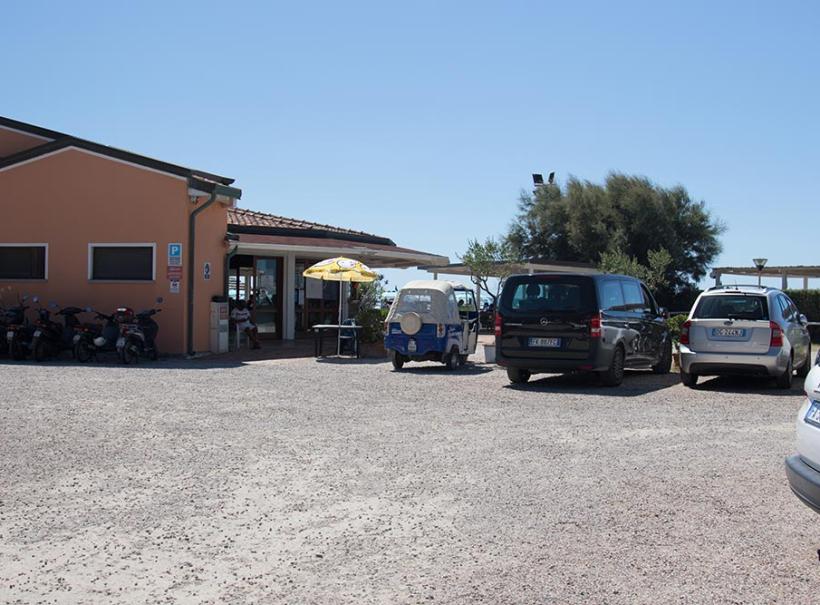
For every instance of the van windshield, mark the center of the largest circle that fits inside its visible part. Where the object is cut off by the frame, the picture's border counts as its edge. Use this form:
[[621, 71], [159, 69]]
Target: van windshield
[[539, 294], [732, 306]]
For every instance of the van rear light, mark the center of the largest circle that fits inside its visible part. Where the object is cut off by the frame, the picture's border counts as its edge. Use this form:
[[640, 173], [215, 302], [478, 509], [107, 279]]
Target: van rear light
[[499, 324], [595, 326], [439, 330], [684, 332], [777, 335]]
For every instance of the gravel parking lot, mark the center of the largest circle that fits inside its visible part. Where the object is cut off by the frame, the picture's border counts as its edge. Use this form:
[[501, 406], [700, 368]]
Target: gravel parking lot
[[304, 481]]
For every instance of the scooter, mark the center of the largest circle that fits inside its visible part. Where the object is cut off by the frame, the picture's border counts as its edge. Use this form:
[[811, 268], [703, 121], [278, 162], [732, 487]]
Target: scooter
[[18, 330], [138, 339], [91, 339], [50, 337]]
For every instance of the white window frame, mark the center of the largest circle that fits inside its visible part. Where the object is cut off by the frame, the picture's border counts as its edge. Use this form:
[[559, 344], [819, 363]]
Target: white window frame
[[26, 245], [92, 246]]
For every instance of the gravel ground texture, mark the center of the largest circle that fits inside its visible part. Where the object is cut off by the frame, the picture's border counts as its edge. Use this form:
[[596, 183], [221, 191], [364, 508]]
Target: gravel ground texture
[[337, 481]]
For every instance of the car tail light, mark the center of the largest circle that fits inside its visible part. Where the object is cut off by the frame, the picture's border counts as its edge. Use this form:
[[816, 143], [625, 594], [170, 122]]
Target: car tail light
[[439, 330], [499, 324], [684, 332], [777, 335], [595, 326]]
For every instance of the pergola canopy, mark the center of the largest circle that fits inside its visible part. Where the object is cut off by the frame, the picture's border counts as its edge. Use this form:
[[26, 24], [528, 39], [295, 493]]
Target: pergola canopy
[[783, 272]]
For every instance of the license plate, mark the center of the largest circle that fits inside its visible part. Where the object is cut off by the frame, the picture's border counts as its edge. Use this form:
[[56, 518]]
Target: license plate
[[550, 343], [813, 415], [37, 333], [120, 343], [411, 346], [76, 338], [9, 336], [735, 332]]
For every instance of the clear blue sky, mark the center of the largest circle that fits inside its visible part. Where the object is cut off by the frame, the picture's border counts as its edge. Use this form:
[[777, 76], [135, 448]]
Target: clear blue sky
[[423, 121]]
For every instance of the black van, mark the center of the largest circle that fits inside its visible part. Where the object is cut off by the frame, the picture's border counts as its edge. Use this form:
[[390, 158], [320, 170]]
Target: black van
[[563, 322]]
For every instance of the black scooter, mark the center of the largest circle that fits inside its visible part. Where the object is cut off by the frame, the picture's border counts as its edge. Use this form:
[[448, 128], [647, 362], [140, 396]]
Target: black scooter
[[91, 339], [50, 338], [18, 330], [138, 339]]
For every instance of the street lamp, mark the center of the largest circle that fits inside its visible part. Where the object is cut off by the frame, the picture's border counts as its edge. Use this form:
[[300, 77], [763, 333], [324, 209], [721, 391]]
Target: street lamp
[[759, 263]]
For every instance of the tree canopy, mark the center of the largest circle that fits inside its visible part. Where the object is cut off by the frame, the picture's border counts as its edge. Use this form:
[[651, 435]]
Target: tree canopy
[[628, 216]]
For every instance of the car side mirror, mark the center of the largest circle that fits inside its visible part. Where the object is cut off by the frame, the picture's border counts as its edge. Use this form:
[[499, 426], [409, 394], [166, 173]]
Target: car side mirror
[[663, 312]]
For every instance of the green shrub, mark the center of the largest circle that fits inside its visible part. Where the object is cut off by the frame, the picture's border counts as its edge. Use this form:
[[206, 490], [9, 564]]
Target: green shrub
[[808, 302], [675, 322]]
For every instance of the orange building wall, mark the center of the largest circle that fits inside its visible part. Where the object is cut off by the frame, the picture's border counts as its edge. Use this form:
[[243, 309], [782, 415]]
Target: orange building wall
[[73, 198], [12, 141]]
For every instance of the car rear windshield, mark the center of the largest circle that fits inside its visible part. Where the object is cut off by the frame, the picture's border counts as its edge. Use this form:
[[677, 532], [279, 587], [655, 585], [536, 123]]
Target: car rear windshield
[[732, 306], [548, 294]]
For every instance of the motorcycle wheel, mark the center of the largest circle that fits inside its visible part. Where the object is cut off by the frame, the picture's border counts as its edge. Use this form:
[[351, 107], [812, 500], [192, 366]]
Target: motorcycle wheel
[[18, 352], [83, 351], [40, 350], [130, 352]]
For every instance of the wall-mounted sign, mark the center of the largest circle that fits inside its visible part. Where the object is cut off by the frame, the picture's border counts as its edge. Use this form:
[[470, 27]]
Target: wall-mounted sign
[[174, 288], [175, 272], [206, 271], [175, 255]]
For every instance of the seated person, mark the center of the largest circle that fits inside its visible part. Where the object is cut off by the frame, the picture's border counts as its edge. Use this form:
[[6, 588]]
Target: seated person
[[533, 301], [242, 317]]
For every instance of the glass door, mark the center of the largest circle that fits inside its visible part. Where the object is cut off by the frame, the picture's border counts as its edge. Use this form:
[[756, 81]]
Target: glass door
[[267, 297]]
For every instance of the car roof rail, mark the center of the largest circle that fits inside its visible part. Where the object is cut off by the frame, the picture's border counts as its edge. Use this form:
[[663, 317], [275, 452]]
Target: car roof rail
[[739, 286]]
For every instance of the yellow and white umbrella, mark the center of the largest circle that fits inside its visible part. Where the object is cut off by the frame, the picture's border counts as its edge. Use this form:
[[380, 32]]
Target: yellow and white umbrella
[[340, 269]]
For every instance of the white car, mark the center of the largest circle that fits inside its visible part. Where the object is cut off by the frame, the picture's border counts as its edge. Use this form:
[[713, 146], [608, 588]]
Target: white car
[[803, 468]]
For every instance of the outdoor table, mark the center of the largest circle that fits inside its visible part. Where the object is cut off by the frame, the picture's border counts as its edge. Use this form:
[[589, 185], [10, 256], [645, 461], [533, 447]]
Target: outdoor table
[[319, 330]]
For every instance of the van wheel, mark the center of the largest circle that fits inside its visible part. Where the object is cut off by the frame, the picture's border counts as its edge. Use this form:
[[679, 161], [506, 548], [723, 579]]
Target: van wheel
[[398, 361], [615, 374], [688, 380], [784, 381], [452, 360], [518, 376], [665, 362], [806, 367]]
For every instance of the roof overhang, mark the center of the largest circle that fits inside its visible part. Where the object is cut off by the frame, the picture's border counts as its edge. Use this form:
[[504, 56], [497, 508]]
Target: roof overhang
[[377, 256], [790, 271], [530, 266]]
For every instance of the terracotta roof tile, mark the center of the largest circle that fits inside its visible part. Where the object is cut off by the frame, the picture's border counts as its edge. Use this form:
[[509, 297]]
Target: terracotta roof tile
[[252, 218]]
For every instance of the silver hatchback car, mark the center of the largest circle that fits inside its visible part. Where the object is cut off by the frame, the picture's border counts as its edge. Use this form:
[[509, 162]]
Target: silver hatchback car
[[744, 330]]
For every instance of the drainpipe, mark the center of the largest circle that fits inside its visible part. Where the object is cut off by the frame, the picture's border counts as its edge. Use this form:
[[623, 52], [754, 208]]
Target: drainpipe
[[191, 268]]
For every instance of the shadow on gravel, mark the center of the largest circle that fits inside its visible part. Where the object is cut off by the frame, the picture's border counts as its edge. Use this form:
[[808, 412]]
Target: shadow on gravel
[[440, 368], [635, 384], [352, 361], [171, 363], [748, 384]]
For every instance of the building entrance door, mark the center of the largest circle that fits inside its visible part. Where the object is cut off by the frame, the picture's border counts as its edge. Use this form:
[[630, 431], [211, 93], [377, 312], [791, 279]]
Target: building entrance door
[[267, 296]]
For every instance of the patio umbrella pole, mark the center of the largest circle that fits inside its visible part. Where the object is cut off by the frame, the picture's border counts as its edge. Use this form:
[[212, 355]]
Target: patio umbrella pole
[[339, 331]]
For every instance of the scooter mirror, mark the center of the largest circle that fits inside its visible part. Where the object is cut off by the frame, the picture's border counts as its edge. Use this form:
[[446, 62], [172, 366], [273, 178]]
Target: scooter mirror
[[36, 299]]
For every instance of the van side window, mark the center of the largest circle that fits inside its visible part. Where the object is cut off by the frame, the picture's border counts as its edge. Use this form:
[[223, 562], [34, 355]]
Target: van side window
[[648, 301], [632, 296], [612, 298], [785, 308]]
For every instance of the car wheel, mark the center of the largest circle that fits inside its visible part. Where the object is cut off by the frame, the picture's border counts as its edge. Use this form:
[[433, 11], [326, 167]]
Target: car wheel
[[452, 360], [398, 361], [806, 367], [688, 380], [665, 362], [615, 374], [784, 381], [518, 376]]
